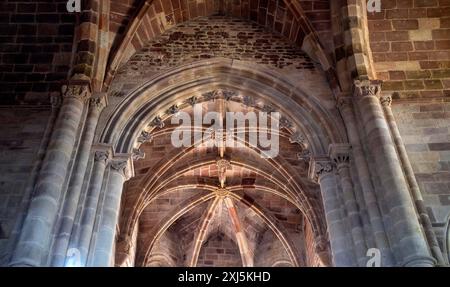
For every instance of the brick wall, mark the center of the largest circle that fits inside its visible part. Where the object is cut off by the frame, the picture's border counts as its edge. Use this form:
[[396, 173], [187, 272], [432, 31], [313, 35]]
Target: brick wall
[[22, 131], [210, 37], [219, 251], [36, 39], [410, 41], [425, 132]]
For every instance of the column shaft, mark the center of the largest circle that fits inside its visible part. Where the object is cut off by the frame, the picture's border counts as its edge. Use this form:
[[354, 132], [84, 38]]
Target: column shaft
[[76, 183], [33, 246], [106, 234], [412, 182], [410, 248], [342, 253], [370, 199], [83, 238]]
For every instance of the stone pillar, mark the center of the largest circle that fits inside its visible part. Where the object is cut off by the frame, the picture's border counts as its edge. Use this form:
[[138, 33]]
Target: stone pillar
[[33, 246], [103, 252], [345, 105], [82, 239], [55, 100], [341, 251], [96, 105], [340, 154], [405, 233], [386, 102]]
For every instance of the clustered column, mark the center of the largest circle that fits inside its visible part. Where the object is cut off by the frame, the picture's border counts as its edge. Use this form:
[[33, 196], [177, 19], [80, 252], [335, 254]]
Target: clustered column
[[82, 238], [404, 231], [342, 252], [96, 105], [340, 154], [386, 102], [32, 248], [103, 252], [345, 105]]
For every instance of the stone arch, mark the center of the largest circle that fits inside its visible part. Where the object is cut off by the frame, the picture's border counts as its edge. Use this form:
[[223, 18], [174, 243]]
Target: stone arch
[[152, 18], [203, 75], [124, 123]]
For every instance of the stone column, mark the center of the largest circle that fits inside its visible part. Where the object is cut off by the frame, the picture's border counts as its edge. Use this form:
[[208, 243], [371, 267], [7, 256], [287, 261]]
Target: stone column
[[386, 102], [82, 239], [340, 154], [103, 252], [342, 252], [33, 246], [96, 105], [55, 100], [405, 233], [345, 105]]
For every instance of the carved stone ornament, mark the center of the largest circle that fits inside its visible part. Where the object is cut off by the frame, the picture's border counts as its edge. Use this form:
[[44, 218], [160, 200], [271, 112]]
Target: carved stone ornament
[[192, 101], [158, 122], [248, 101], [285, 123], [119, 165], [145, 137], [304, 155], [98, 102], [323, 168], [138, 154], [386, 101], [101, 156], [368, 88], [173, 110], [298, 138], [268, 109], [222, 192], [80, 92]]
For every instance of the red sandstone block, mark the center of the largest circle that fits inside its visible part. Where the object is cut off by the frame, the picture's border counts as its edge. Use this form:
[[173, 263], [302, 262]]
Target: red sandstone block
[[405, 24]]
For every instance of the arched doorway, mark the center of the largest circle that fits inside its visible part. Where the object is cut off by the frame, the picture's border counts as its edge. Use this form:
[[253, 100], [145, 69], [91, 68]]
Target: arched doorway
[[177, 188]]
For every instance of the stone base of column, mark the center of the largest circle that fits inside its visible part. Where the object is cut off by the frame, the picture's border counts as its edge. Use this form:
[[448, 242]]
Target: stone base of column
[[419, 261]]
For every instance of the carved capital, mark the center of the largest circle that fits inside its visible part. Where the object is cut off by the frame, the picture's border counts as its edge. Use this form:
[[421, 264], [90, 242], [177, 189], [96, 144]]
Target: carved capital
[[340, 154], [120, 166], [386, 101], [76, 91], [101, 156], [323, 168], [367, 88], [98, 102]]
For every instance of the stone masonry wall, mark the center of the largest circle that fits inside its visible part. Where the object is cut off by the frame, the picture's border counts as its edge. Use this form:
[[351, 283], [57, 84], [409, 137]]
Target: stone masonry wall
[[425, 129], [219, 251], [410, 43], [36, 39], [22, 131]]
